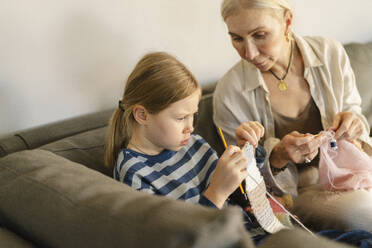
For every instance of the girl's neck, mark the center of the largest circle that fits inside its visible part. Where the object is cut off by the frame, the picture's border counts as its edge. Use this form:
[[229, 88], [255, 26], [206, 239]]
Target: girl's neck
[[141, 144]]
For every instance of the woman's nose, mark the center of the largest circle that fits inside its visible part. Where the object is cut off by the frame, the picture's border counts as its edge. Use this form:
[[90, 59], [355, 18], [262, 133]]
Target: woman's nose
[[250, 51]]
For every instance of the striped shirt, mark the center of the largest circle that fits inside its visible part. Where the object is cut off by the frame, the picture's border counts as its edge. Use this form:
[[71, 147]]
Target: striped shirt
[[183, 174]]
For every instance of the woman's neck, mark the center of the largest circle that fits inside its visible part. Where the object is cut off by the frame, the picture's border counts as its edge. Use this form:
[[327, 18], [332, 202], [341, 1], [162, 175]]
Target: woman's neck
[[281, 65]]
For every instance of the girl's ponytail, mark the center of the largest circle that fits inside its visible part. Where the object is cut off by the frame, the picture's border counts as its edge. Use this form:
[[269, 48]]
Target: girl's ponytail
[[118, 135]]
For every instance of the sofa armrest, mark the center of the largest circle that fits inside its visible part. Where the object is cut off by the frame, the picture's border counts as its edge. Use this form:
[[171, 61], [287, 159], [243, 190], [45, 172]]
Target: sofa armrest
[[58, 203], [10, 239]]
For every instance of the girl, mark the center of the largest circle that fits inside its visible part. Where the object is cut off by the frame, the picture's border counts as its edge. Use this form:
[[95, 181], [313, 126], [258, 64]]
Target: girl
[[150, 144]]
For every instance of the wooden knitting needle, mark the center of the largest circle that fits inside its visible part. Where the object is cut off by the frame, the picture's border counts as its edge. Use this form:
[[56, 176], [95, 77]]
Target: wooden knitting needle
[[225, 145]]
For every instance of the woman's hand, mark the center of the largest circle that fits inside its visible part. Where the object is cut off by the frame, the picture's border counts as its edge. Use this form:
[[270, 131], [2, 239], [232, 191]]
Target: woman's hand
[[230, 171], [251, 132], [347, 125], [295, 147]]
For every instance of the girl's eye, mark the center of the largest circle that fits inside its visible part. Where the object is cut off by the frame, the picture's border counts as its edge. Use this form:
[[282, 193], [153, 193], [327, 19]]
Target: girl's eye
[[181, 118]]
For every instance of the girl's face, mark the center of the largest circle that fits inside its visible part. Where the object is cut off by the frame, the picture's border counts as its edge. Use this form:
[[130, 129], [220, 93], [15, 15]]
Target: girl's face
[[259, 36], [171, 128]]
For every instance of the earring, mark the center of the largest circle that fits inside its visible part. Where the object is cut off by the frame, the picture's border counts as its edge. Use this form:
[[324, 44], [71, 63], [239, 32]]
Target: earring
[[287, 37]]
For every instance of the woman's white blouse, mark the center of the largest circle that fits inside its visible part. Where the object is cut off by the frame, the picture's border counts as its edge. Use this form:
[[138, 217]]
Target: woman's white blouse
[[242, 95]]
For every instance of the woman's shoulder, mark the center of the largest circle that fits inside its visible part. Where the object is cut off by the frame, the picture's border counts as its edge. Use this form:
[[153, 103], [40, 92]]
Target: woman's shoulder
[[233, 80], [234, 73], [323, 47], [320, 41]]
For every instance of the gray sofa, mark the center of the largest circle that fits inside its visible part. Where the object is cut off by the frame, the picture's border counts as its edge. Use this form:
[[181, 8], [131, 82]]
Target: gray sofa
[[56, 192]]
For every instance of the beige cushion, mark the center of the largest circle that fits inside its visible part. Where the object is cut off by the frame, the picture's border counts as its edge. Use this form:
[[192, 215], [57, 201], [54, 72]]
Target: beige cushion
[[58, 203]]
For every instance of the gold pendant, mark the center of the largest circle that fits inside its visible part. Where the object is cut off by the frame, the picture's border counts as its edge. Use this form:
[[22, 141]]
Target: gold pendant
[[283, 86]]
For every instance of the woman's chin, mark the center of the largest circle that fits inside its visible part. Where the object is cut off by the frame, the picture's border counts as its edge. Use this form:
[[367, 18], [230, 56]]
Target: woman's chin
[[264, 66]]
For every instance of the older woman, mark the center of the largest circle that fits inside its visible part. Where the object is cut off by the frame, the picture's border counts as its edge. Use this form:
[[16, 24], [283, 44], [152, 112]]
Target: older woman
[[294, 87]]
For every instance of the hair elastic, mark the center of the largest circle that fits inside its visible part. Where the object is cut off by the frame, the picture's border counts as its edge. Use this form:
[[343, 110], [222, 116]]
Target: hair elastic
[[121, 107]]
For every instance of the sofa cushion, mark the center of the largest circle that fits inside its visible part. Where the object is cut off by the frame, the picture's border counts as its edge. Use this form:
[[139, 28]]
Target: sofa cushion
[[361, 61], [85, 148], [59, 203], [10, 239], [11, 143]]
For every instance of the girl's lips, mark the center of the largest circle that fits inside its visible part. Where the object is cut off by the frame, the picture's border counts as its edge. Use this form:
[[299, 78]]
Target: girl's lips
[[185, 142]]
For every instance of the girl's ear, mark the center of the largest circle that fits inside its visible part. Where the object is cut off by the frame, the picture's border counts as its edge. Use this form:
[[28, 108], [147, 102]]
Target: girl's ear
[[140, 114]]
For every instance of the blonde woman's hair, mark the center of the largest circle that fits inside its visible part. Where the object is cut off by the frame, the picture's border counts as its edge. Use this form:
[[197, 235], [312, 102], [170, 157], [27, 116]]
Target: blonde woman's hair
[[157, 81], [232, 7]]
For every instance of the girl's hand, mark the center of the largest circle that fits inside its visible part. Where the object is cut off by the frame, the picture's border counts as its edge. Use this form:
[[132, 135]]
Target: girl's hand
[[251, 132], [347, 125], [295, 147], [230, 171]]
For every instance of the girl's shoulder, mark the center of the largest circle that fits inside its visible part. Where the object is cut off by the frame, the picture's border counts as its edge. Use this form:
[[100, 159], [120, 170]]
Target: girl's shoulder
[[196, 139]]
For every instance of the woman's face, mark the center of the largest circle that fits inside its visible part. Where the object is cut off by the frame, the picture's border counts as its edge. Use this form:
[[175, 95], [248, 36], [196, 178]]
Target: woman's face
[[259, 36]]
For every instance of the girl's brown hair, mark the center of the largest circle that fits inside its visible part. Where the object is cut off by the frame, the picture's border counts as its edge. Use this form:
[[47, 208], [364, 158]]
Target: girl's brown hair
[[157, 81]]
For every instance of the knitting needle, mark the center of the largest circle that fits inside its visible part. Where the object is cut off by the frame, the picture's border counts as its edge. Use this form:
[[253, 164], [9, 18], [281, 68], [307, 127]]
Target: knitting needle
[[225, 145]]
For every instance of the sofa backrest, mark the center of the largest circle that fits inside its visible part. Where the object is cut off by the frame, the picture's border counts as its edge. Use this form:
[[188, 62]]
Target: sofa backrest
[[81, 139], [45, 134], [360, 56]]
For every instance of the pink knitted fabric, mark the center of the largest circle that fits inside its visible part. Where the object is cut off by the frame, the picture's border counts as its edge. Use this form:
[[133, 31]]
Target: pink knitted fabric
[[346, 168]]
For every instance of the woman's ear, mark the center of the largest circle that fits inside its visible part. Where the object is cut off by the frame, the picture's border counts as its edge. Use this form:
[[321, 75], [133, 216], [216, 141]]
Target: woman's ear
[[140, 114], [288, 16]]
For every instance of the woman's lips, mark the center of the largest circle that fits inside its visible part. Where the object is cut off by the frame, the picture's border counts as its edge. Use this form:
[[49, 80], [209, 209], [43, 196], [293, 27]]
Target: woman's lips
[[260, 65]]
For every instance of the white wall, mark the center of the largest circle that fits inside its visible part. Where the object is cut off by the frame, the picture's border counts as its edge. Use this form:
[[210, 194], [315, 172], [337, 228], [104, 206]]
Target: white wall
[[60, 59]]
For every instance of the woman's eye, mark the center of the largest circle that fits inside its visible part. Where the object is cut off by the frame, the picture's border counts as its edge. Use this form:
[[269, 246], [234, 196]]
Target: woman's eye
[[260, 36], [237, 39]]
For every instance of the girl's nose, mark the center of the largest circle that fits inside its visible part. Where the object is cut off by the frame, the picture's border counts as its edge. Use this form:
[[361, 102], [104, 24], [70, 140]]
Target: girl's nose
[[189, 128]]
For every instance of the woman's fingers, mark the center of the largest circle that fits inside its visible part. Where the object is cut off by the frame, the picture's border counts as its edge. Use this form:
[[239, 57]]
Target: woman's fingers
[[347, 125], [355, 130], [250, 132], [302, 147], [307, 158], [336, 122]]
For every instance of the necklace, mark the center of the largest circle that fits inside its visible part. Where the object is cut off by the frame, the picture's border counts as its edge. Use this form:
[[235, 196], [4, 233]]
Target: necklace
[[283, 86]]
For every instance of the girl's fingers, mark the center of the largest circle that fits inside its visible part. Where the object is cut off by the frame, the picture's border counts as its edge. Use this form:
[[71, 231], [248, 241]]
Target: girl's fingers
[[230, 150]]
